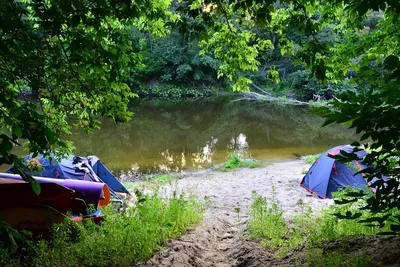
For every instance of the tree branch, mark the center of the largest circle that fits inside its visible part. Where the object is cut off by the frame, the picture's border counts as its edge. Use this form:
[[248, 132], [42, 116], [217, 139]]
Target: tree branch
[[226, 16], [74, 73], [308, 22], [260, 89], [12, 72]]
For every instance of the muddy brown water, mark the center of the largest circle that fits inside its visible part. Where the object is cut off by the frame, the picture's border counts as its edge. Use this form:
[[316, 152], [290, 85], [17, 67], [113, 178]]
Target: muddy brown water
[[188, 135], [166, 136]]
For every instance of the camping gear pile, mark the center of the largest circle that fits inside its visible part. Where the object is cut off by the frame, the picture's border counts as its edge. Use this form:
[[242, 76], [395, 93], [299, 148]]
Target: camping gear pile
[[74, 188], [327, 174]]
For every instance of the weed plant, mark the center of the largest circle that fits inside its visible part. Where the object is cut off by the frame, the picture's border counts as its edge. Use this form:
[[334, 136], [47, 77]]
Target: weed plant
[[266, 220], [268, 225], [235, 162], [122, 239]]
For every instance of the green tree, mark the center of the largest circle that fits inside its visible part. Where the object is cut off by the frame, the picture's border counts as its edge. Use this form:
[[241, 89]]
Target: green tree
[[172, 59], [77, 56]]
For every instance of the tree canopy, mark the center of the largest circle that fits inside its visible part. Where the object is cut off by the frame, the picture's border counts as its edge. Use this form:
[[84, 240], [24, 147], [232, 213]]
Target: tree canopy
[[79, 56]]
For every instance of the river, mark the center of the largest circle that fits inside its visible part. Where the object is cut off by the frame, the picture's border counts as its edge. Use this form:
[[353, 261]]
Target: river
[[172, 136]]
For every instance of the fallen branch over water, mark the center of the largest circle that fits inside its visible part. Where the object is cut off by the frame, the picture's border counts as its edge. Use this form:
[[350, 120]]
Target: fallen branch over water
[[265, 96], [253, 96], [260, 89]]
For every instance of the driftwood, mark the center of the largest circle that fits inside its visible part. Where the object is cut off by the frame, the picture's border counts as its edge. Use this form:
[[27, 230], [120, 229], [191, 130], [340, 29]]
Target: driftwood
[[253, 96], [267, 97], [260, 89]]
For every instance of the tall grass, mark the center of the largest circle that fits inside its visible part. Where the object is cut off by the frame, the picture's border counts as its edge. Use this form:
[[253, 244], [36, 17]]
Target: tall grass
[[267, 225], [122, 239], [266, 220]]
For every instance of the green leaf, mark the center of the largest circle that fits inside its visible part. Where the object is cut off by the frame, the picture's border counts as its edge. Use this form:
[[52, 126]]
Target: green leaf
[[36, 188], [49, 135], [27, 178], [391, 62], [344, 201], [395, 227], [6, 145], [16, 130], [15, 112]]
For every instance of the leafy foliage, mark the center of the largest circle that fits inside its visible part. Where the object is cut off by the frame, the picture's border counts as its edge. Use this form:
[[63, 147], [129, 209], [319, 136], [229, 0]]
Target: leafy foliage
[[172, 91], [171, 60], [77, 56], [266, 220]]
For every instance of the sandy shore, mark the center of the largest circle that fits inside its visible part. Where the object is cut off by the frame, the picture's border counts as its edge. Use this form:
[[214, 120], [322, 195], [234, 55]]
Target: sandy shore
[[216, 241], [230, 190]]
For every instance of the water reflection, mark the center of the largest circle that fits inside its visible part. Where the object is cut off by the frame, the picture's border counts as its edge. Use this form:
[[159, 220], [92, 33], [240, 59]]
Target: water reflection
[[204, 154], [239, 145], [173, 137]]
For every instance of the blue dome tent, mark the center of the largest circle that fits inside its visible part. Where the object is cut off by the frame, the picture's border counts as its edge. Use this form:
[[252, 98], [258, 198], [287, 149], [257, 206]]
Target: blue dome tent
[[77, 168], [327, 174]]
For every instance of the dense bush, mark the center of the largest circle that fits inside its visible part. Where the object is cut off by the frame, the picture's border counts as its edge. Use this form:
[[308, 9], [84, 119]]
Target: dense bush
[[173, 91], [172, 60]]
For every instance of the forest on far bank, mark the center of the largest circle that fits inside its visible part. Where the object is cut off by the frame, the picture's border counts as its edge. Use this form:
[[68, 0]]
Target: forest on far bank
[[174, 66]]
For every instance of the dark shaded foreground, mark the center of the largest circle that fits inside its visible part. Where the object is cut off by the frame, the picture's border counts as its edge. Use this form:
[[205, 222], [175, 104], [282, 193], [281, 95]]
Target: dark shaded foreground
[[216, 243]]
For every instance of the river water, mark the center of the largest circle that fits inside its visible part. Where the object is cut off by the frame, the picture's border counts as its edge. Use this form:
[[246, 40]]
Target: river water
[[172, 136]]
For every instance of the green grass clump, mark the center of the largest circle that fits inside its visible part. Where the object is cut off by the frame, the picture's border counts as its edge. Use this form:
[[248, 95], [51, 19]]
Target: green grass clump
[[317, 257], [267, 225], [266, 220], [329, 226], [235, 162], [161, 178], [122, 239], [312, 158]]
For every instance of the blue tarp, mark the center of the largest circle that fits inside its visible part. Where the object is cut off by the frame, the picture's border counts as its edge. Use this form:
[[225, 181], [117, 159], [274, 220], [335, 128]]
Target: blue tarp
[[77, 168], [327, 175]]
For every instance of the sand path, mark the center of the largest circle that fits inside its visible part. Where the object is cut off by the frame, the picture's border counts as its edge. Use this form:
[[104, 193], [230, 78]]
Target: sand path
[[218, 240]]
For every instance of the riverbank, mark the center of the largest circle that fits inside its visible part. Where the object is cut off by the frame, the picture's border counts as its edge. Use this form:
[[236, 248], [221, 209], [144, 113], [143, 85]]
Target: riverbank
[[222, 240], [218, 241]]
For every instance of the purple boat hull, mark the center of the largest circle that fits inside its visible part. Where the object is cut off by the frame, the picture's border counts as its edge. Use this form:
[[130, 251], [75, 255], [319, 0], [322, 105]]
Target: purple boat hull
[[96, 194]]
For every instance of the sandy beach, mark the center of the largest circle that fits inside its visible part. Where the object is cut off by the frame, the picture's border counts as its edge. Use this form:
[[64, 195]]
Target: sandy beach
[[218, 240]]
